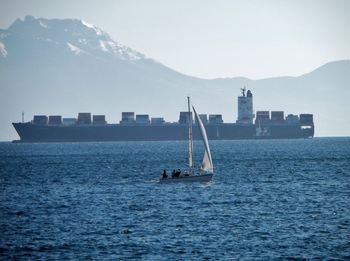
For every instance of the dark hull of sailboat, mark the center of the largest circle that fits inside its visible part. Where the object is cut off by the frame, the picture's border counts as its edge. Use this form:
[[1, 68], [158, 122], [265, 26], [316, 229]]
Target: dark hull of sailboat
[[194, 178]]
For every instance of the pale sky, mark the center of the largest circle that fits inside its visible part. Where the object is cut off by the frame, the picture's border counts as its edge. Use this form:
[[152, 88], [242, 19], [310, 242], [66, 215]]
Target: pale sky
[[210, 39]]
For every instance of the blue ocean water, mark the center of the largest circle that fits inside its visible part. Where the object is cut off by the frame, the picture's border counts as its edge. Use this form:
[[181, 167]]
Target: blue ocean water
[[270, 199]]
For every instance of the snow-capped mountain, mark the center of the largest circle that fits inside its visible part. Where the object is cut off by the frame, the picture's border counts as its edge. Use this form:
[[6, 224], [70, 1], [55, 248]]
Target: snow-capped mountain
[[62, 67], [77, 36], [3, 51]]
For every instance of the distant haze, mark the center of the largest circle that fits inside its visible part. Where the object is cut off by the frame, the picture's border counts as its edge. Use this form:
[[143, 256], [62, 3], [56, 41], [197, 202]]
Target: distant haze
[[210, 39], [66, 66]]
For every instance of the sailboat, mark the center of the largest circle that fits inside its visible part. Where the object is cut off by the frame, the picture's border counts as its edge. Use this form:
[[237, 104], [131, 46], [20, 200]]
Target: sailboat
[[206, 171]]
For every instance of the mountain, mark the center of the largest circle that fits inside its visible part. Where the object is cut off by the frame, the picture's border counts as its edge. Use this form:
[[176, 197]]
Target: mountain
[[53, 66]]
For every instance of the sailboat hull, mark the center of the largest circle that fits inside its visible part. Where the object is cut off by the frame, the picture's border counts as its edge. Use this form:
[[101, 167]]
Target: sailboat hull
[[194, 178]]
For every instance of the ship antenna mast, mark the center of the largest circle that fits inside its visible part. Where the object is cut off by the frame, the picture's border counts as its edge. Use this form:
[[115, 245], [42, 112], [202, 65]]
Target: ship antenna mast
[[22, 116], [243, 91]]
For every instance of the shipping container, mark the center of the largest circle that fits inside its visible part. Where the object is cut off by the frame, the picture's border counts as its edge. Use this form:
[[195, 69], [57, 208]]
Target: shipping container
[[292, 119], [99, 119], [40, 119], [55, 119], [184, 117], [262, 117], [128, 117], [306, 118], [69, 121], [142, 119], [204, 118], [157, 121], [215, 119], [277, 116], [84, 118]]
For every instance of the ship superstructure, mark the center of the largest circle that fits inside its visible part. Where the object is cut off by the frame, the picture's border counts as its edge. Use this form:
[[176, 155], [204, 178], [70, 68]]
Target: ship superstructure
[[142, 127], [245, 107]]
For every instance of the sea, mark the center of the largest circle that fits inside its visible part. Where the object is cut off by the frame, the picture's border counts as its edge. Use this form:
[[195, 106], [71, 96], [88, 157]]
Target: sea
[[269, 200]]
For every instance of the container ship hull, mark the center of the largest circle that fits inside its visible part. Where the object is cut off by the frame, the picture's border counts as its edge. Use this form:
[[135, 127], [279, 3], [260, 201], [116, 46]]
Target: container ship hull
[[29, 132]]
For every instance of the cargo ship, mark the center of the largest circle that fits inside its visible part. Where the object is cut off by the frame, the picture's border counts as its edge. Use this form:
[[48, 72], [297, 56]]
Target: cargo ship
[[140, 127]]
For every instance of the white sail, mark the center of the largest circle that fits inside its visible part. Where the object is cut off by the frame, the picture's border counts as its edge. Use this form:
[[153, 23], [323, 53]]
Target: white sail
[[207, 163]]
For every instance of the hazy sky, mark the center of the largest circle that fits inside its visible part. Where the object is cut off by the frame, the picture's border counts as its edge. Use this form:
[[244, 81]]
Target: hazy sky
[[209, 39]]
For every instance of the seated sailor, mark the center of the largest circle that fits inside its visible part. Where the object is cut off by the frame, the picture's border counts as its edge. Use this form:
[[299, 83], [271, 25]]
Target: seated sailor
[[177, 173]]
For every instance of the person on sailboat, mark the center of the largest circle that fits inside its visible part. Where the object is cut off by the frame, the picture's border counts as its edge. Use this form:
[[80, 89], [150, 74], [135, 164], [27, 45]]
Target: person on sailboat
[[165, 175], [178, 172], [175, 173]]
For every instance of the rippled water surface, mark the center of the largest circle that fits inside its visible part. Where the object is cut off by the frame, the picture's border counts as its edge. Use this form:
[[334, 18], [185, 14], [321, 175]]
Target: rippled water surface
[[270, 199]]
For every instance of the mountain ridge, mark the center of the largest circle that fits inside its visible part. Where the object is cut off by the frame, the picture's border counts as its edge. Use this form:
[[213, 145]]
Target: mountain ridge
[[69, 71], [45, 24]]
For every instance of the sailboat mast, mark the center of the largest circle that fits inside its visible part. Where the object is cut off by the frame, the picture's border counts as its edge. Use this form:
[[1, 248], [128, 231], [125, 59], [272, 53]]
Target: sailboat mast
[[190, 136]]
